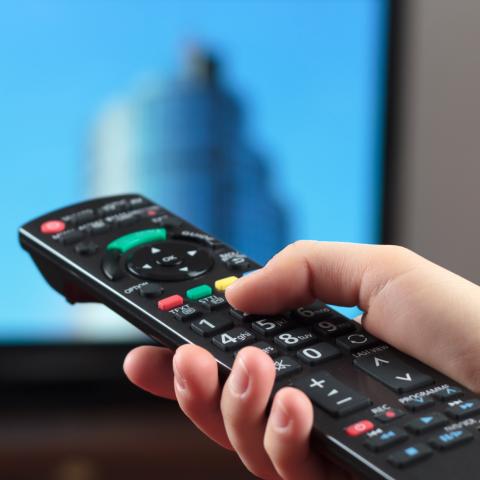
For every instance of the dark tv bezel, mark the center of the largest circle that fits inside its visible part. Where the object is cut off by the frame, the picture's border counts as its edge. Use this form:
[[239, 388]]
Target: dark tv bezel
[[81, 369]]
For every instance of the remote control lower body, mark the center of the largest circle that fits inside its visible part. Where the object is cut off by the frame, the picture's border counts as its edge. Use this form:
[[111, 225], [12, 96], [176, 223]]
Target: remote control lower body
[[378, 412]]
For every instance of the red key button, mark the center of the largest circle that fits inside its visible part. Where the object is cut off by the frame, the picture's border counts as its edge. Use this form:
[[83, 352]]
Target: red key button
[[170, 302], [359, 428], [52, 226]]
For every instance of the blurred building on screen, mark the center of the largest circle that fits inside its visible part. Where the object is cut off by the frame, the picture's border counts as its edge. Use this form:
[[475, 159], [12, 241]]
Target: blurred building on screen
[[181, 142]]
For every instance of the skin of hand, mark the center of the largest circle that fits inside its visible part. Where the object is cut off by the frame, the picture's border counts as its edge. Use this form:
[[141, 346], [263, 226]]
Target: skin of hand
[[409, 302]]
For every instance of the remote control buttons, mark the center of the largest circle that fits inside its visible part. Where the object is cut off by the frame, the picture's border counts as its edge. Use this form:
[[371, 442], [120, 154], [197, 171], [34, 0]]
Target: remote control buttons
[[169, 261], [449, 393], [222, 284], [427, 423], [185, 312], [384, 439], [331, 395], [318, 353], [388, 369], [416, 404], [334, 326], [52, 226], [295, 339], [213, 302], [198, 292], [266, 347], [234, 260], [234, 339], [86, 248], [111, 264], [151, 290], [464, 409], [315, 312], [132, 240], [71, 236], [409, 455], [243, 316], [269, 326], [169, 303], [359, 428], [210, 326], [445, 441], [356, 341], [389, 415], [285, 366]]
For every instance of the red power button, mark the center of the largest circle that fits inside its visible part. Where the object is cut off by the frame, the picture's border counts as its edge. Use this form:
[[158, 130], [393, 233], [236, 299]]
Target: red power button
[[359, 428], [52, 226]]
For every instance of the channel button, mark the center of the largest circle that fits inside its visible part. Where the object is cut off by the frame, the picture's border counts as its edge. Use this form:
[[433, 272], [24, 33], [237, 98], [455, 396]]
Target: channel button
[[388, 369]]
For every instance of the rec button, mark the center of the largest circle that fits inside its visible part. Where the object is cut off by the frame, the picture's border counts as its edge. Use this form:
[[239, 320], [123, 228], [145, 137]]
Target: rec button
[[52, 226]]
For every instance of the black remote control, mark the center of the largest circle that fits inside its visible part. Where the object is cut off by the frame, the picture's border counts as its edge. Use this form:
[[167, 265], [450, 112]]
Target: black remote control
[[378, 412]]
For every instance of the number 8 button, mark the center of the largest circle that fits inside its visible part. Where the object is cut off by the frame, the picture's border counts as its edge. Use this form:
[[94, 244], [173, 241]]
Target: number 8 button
[[295, 339]]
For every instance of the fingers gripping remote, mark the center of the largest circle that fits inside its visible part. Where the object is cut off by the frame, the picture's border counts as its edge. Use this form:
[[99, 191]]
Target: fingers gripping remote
[[378, 413]]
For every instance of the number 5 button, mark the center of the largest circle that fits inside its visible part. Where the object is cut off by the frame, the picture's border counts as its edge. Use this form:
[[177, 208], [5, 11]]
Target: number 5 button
[[318, 353]]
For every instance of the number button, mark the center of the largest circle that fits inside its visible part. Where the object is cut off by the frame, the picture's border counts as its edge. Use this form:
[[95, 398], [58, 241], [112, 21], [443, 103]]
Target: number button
[[315, 312], [270, 326], [243, 316], [234, 339], [207, 328], [318, 353], [334, 326], [295, 338]]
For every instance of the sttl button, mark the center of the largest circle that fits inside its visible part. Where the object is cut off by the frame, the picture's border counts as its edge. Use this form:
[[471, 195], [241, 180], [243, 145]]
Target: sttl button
[[170, 302], [359, 428], [52, 226]]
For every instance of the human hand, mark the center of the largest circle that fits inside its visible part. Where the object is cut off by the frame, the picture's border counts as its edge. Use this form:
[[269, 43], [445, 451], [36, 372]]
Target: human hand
[[409, 302]]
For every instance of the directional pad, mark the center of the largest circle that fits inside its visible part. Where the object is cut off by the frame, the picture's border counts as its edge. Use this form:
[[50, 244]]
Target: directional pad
[[169, 261]]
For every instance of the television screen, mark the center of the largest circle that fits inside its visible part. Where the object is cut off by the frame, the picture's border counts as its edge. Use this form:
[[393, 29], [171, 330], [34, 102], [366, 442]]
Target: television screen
[[262, 122]]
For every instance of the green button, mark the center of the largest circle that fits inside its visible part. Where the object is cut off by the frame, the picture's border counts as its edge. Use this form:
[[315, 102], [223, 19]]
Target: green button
[[135, 239], [199, 292]]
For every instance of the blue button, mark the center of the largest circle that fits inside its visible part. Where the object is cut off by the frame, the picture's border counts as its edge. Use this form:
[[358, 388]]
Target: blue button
[[411, 451]]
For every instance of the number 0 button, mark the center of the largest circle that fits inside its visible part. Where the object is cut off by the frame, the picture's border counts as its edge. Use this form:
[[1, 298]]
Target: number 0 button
[[318, 353]]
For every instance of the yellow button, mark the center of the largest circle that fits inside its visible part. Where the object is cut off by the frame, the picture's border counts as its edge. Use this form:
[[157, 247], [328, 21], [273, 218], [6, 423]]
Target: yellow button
[[222, 284]]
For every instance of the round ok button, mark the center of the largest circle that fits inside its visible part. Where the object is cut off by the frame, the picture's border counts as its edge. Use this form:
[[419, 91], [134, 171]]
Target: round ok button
[[170, 260]]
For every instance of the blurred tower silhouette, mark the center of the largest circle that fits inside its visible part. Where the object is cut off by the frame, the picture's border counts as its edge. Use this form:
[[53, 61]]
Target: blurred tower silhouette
[[181, 143]]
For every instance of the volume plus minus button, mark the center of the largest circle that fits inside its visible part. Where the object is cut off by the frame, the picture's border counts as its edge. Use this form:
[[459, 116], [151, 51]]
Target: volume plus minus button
[[111, 264]]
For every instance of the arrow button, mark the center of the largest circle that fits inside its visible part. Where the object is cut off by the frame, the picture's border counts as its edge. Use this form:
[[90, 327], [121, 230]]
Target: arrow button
[[390, 370]]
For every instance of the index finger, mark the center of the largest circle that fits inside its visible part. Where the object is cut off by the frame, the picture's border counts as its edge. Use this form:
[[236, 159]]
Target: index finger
[[339, 273]]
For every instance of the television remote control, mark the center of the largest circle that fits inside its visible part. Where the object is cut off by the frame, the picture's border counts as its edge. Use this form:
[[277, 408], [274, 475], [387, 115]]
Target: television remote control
[[378, 412]]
